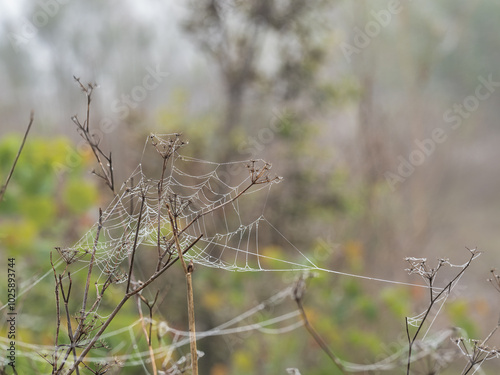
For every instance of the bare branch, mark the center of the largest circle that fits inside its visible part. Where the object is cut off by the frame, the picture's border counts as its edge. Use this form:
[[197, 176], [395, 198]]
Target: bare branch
[[135, 242], [298, 294], [4, 187], [106, 165]]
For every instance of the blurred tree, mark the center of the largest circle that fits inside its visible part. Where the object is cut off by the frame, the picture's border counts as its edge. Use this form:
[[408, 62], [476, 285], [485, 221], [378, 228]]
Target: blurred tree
[[280, 52], [272, 43]]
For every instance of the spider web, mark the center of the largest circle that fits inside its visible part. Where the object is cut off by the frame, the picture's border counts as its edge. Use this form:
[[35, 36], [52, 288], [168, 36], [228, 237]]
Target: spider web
[[208, 206], [172, 354], [209, 203], [129, 355]]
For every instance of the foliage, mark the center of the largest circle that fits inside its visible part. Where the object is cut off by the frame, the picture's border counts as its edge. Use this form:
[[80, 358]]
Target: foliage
[[50, 182]]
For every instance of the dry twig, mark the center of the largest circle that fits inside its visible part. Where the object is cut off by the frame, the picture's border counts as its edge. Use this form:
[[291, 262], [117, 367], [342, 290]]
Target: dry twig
[[419, 266], [298, 294], [105, 161], [4, 187]]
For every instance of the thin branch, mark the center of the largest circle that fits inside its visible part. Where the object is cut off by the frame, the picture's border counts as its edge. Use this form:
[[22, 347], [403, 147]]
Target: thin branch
[[160, 193], [84, 131], [192, 328], [58, 312], [100, 294], [118, 308], [188, 270], [147, 333], [430, 275], [173, 223], [4, 187], [135, 242], [74, 337], [298, 294], [72, 347], [91, 265]]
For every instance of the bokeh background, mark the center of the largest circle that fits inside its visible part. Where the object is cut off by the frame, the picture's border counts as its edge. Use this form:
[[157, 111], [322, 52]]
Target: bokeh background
[[382, 117]]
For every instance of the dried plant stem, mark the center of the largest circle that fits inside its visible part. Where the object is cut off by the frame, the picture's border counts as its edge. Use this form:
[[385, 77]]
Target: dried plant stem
[[318, 338], [147, 332], [132, 257], [4, 187], [58, 313], [192, 328], [139, 297], [188, 270], [91, 265], [84, 129], [115, 311], [430, 276], [80, 338], [91, 344], [83, 314], [298, 293], [160, 192], [66, 296]]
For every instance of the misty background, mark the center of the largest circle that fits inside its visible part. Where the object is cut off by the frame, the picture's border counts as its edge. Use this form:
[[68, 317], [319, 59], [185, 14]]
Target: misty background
[[381, 116]]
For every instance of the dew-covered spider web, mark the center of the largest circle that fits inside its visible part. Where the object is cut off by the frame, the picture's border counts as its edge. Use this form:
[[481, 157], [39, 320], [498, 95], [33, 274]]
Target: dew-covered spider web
[[218, 213], [219, 206], [176, 358]]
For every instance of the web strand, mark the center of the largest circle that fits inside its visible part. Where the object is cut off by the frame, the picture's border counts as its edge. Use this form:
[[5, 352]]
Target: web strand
[[205, 200]]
